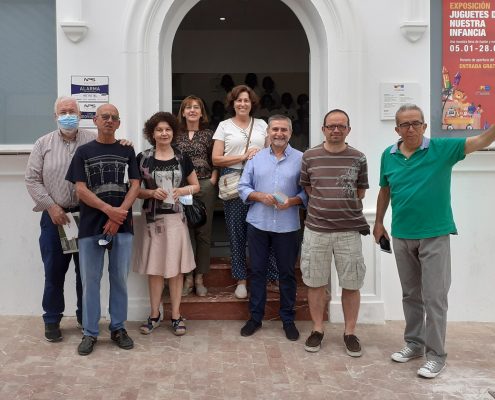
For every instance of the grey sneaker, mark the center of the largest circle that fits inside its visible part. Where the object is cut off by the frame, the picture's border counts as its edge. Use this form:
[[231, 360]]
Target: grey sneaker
[[406, 354], [431, 369]]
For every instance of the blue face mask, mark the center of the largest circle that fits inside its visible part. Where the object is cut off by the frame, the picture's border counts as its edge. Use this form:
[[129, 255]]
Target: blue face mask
[[68, 121]]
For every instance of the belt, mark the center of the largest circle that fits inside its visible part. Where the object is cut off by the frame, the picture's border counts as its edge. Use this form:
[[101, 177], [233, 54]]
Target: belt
[[72, 209]]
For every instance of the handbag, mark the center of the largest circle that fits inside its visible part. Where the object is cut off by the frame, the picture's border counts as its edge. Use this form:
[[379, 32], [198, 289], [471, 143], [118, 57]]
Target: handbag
[[227, 184], [195, 213]]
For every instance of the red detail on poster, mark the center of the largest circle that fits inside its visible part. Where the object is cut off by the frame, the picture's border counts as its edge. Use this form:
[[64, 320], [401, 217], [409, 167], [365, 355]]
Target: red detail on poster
[[468, 70]]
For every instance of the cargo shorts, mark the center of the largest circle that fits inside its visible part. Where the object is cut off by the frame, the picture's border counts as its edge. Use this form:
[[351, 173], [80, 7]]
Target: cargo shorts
[[316, 258]]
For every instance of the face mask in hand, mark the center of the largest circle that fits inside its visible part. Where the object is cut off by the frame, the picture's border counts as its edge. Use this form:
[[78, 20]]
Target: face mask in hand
[[187, 200], [68, 122]]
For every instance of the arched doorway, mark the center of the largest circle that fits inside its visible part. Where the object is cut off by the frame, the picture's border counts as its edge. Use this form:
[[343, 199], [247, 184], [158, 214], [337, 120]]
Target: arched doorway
[[258, 42], [149, 35]]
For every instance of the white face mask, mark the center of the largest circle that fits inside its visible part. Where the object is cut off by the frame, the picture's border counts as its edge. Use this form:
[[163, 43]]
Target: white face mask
[[187, 199]]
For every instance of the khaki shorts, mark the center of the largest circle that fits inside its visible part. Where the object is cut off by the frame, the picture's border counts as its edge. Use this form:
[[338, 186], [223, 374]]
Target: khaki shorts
[[316, 258]]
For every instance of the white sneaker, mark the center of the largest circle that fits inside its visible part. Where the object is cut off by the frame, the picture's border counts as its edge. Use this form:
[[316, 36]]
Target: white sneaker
[[406, 354], [240, 291], [431, 369]]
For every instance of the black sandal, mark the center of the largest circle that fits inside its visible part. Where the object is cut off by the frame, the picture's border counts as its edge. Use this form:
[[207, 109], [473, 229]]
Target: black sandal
[[179, 326], [149, 325]]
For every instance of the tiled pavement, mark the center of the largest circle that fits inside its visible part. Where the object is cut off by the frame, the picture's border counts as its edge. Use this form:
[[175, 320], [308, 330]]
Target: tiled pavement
[[214, 362]]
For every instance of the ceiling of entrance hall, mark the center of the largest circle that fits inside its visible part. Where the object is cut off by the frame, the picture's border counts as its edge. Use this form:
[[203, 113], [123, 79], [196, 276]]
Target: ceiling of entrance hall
[[240, 15]]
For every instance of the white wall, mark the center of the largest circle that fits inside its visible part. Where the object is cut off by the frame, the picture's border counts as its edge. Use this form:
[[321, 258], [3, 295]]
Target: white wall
[[372, 49]]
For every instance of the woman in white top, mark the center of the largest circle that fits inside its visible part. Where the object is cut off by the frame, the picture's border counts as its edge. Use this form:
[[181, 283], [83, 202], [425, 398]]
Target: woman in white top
[[229, 153]]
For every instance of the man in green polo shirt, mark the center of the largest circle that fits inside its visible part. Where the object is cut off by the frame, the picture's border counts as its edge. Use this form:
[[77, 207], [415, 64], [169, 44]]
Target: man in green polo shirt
[[415, 174]]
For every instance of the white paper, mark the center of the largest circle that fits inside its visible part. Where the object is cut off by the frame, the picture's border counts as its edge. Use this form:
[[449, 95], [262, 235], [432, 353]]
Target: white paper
[[71, 230], [164, 181], [394, 95]]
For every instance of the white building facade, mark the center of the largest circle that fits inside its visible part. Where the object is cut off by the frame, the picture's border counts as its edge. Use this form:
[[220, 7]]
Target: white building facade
[[354, 46]]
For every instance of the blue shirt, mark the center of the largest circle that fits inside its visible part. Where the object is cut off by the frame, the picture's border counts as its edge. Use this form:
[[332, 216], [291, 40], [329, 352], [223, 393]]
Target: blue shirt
[[265, 173]]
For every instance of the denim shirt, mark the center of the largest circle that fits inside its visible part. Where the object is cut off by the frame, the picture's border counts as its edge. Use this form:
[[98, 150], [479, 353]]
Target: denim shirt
[[265, 173]]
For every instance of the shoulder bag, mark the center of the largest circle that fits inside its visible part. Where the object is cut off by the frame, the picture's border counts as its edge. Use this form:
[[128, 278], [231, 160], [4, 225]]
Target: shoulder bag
[[195, 213], [227, 184]]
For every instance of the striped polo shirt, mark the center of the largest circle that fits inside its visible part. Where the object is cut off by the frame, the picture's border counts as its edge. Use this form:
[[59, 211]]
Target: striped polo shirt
[[47, 166], [334, 178]]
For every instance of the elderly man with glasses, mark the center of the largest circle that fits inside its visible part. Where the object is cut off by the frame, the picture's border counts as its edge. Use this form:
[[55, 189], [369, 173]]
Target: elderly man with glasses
[[415, 175], [335, 177], [98, 170]]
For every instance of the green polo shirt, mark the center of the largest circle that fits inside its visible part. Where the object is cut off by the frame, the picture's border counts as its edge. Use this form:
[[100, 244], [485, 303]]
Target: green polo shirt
[[420, 187]]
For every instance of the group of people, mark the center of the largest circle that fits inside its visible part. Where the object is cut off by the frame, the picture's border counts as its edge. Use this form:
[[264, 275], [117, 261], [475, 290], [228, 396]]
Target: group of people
[[71, 169]]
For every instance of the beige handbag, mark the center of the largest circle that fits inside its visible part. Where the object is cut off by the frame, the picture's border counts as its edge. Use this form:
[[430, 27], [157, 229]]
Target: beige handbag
[[227, 184]]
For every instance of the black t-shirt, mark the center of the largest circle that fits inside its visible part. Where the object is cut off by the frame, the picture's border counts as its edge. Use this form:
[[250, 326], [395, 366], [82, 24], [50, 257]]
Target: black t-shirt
[[170, 171], [103, 167]]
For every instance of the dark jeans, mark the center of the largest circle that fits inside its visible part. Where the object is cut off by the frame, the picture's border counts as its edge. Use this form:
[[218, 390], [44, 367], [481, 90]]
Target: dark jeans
[[201, 237], [285, 248], [56, 265]]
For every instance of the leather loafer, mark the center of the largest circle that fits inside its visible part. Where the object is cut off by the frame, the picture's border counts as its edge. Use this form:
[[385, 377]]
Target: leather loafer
[[53, 332], [291, 331], [250, 327]]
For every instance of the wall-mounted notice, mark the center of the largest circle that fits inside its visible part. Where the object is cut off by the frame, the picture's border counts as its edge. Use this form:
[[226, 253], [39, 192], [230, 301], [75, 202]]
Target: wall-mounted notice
[[91, 92], [393, 95], [468, 70]]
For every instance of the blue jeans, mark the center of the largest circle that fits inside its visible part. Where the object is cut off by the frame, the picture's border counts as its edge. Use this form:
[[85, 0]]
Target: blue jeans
[[56, 264], [285, 247], [91, 256]]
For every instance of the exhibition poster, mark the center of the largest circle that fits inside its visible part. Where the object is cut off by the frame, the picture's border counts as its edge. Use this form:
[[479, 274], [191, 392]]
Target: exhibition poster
[[468, 64]]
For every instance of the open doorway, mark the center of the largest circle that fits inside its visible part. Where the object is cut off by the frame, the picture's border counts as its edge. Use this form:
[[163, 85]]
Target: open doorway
[[223, 43]]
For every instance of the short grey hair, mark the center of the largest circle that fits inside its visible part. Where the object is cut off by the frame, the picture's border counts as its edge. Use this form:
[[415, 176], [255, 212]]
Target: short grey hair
[[408, 107], [65, 98], [280, 117]]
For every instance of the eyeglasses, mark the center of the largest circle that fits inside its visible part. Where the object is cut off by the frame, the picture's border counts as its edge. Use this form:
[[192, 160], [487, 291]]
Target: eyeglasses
[[331, 128], [106, 242], [107, 117], [415, 124]]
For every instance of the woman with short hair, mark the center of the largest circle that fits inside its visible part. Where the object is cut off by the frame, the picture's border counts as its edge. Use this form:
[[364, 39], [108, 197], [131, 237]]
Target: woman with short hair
[[166, 250]]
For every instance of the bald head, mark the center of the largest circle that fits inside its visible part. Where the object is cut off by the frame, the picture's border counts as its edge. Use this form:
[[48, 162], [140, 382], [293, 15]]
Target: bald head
[[107, 120]]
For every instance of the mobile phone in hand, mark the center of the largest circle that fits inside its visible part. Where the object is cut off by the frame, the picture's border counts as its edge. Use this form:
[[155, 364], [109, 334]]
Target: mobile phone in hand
[[385, 245]]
